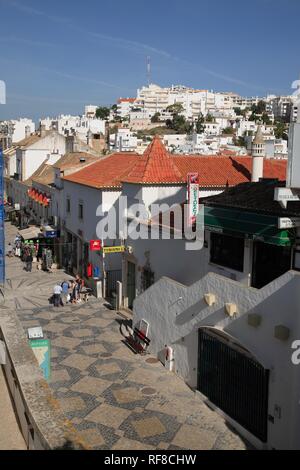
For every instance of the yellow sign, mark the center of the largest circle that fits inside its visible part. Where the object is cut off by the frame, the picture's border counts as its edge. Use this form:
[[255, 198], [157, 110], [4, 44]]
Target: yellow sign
[[113, 249]]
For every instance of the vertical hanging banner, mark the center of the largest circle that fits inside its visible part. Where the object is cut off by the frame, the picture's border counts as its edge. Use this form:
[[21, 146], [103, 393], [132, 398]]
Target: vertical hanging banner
[[2, 234], [193, 197]]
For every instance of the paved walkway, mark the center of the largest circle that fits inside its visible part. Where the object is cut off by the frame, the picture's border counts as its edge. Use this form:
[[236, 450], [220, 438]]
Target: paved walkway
[[116, 399], [10, 434]]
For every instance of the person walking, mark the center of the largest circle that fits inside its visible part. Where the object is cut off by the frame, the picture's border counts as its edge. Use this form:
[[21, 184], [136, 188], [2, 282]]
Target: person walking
[[29, 260], [9, 250], [65, 292], [57, 295]]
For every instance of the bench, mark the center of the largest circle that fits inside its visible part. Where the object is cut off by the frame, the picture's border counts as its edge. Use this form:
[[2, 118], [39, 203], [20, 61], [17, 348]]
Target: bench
[[138, 341]]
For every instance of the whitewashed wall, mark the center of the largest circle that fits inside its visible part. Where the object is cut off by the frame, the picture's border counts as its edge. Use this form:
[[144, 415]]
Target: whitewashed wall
[[176, 322]]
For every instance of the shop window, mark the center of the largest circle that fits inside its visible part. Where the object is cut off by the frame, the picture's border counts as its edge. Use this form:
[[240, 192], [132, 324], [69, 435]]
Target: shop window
[[227, 251]]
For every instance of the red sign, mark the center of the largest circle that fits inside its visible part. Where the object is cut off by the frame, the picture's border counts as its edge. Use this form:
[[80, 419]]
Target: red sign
[[193, 197], [95, 245]]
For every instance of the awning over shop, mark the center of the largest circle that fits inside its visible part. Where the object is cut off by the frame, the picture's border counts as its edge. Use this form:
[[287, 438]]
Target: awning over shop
[[50, 232], [241, 223], [30, 233]]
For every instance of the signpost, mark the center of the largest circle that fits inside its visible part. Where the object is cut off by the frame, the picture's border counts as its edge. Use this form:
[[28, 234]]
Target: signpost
[[193, 197]]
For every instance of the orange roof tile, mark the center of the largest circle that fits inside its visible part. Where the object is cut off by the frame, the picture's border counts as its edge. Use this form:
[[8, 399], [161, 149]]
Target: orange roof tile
[[155, 166], [126, 100], [106, 173], [219, 171]]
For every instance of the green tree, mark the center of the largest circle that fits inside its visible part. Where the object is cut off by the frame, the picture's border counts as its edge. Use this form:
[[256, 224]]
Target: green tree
[[280, 130], [240, 142], [102, 112], [265, 119], [200, 126], [209, 118], [175, 108], [228, 131], [155, 118], [259, 108]]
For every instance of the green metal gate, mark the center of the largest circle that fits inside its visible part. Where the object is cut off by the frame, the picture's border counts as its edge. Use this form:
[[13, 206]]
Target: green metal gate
[[235, 382]]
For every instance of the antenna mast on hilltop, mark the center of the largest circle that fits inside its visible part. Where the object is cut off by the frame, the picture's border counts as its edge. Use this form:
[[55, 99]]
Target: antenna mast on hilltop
[[148, 70]]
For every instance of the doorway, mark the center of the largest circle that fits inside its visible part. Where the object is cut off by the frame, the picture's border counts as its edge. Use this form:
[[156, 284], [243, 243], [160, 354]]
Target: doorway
[[232, 379]]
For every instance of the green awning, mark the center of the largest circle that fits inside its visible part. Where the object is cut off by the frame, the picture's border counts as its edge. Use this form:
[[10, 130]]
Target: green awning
[[249, 225]]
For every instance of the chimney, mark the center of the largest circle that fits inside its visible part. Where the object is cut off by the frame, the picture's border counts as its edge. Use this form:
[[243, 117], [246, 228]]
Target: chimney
[[258, 154], [42, 130]]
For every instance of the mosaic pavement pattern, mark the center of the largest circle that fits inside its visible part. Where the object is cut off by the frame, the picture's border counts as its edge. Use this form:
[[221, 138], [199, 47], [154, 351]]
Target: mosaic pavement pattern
[[116, 399]]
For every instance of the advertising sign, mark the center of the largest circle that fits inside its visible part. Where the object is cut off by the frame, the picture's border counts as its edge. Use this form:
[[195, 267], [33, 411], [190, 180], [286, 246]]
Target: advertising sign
[[41, 350], [193, 197], [95, 245], [113, 249]]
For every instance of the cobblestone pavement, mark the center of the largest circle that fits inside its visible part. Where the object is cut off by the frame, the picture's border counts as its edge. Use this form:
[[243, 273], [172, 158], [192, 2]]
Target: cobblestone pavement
[[116, 399]]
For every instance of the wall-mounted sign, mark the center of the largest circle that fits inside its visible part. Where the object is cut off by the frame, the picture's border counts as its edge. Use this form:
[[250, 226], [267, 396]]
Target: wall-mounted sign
[[193, 197], [284, 195], [96, 272], [95, 245], [113, 249], [288, 222], [41, 350]]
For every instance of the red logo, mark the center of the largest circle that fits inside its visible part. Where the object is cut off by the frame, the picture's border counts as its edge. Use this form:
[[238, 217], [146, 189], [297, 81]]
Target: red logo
[[95, 245]]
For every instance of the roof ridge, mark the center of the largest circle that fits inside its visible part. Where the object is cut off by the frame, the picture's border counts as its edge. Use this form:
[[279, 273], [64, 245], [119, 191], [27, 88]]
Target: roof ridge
[[155, 163]]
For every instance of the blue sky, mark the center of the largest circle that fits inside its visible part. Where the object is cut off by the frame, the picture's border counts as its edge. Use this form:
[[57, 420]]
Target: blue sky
[[57, 56]]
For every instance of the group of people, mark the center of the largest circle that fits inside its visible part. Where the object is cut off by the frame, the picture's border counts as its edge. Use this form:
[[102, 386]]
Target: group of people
[[68, 292], [21, 250]]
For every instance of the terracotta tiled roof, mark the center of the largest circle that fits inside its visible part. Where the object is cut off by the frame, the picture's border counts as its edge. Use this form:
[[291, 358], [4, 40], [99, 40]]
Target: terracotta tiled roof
[[107, 173], [126, 100], [155, 166], [227, 171]]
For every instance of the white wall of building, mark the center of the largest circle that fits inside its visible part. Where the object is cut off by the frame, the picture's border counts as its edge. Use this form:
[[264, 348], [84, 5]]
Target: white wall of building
[[22, 128], [176, 312], [31, 157]]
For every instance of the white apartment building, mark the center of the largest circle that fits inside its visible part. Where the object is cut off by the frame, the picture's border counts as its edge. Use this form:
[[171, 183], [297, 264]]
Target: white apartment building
[[155, 99], [18, 129], [90, 111], [283, 107], [124, 107], [80, 126], [123, 141]]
